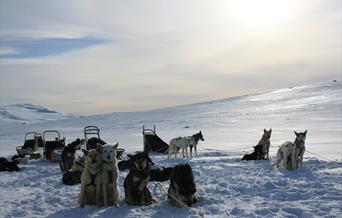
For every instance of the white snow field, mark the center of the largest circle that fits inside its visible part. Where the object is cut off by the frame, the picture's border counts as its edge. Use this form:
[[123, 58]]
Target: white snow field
[[28, 113], [226, 186]]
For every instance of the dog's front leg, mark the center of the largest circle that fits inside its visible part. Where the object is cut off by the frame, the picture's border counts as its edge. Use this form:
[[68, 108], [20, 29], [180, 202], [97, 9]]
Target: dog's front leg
[[98, 194], [104, 190], [116, 194], [186, 152], [82, 196], [143, 183], [195, 148]]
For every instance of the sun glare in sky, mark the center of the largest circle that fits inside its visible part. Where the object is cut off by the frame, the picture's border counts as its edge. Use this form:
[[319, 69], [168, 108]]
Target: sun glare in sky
[[262, 13]]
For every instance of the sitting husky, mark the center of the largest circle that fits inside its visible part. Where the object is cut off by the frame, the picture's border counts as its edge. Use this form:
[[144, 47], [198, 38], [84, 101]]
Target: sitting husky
[[135, 184], [73, 176], [265, 143], [256, 155], [300, 148], [111, 191], [182, 187], [68, 154], [92, 179], [183, 143], [290, 154]]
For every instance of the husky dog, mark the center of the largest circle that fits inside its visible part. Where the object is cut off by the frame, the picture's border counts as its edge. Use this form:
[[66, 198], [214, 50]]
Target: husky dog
[[135, 184], [92, 179], [161, 175], [9, 166], [290, 154], [183, 143], [265, 144], [111, 191], [73, 176], [68, 154], [300, 148], [256, 155], [182, 187]]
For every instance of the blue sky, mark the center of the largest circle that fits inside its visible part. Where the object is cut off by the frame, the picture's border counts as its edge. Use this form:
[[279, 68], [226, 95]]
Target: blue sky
[[93, 57]]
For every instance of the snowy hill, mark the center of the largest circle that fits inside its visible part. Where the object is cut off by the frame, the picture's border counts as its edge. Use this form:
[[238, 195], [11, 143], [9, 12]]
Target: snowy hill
[[226, 186], [28, 113]]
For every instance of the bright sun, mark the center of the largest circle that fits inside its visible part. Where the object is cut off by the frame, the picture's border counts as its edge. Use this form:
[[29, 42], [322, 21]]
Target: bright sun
[[262, 13]]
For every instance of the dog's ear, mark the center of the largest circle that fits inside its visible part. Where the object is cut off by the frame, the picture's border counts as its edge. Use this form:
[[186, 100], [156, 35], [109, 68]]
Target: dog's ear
[[305, 132], [270, 130], [265, 131], [99, 147], [85, 152], [296, 133], [116, 145]]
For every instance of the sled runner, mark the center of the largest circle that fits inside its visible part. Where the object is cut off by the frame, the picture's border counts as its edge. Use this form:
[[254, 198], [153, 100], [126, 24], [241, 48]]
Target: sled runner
[[152, 142], [53, 148], [32, 141]]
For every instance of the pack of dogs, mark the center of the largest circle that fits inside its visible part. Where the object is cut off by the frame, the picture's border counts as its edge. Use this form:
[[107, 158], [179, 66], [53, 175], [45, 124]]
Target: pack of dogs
[[182, 143], [97, 170]]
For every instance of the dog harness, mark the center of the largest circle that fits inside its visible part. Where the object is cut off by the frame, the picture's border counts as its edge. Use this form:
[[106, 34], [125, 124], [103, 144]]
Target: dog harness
[[92, 181], [110, 176]]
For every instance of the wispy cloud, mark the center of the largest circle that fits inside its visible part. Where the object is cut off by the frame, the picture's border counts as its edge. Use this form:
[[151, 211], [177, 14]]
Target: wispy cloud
[[30, 48]]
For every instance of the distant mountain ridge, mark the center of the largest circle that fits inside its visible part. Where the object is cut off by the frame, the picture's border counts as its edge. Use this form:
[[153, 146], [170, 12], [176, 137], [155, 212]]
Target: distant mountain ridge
[[28, 113]]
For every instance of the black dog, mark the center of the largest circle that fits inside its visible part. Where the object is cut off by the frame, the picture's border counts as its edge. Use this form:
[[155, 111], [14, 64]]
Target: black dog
[[9, 166], [92, 143], [68, 154], [135, 184], [182, 187], [159, 175], [256, 155]]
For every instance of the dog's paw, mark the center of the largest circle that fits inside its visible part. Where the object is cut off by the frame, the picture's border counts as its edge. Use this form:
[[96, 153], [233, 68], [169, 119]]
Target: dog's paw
[[116, 205]]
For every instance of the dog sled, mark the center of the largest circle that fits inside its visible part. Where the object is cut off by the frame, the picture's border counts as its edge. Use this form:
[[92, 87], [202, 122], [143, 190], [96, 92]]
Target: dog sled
[[32, 141], [92, 137], [152, 142], [53, 148]]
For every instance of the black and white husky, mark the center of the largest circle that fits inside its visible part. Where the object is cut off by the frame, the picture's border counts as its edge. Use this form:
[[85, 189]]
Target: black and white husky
[[290, 154], [183, 143]]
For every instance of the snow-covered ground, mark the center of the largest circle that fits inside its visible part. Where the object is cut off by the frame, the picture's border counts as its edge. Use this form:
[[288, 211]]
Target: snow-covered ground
[[28, 113], [226, 185]]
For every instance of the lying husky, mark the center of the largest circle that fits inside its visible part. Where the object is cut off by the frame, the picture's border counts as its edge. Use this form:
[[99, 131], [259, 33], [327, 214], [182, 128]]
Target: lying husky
[[111, 191], [91, 179], [68, 154], [9, 166], [182, 187], [290, 154], [256, 155], [183, 143], [265, 144], [135, 184]]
